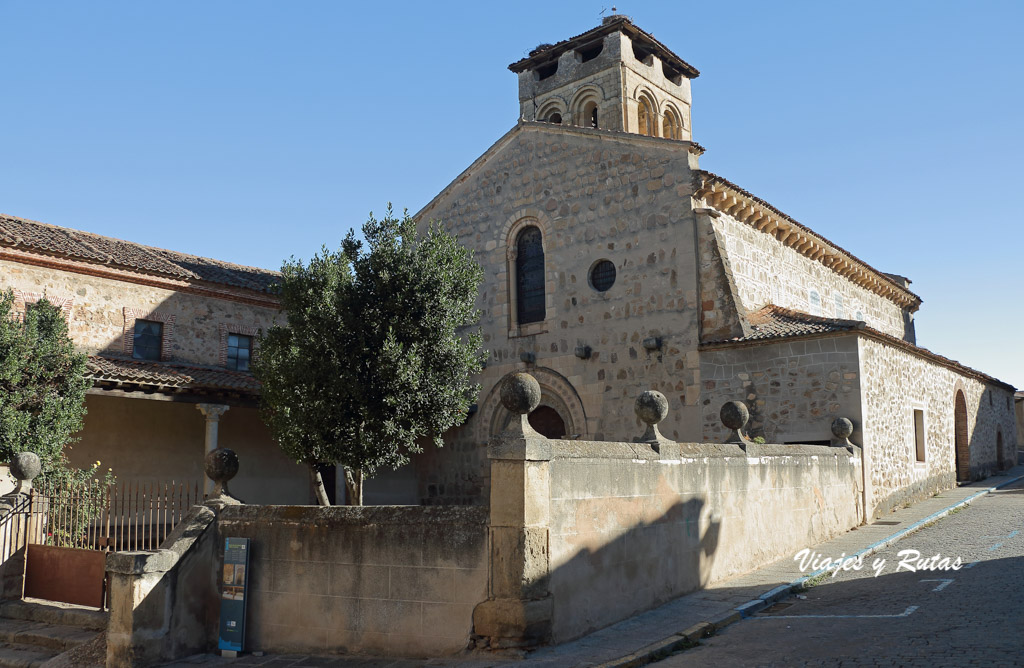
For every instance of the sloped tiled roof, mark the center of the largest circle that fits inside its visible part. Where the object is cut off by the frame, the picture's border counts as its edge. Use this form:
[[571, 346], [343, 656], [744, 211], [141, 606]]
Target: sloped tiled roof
[[775, 322], [92, 248], [610, 24], [168, 375], [772, 323]]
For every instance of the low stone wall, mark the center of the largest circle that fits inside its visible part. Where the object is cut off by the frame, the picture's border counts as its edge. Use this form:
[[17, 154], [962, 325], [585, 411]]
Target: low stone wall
[[391, 580], [630, 529]]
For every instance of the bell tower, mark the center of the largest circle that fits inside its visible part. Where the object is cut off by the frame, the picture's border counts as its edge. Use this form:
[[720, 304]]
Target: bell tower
[[613, 77]]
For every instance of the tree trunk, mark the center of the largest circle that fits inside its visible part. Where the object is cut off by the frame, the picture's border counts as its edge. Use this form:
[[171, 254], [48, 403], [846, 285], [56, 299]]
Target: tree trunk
[[354, 485], [318, 485]]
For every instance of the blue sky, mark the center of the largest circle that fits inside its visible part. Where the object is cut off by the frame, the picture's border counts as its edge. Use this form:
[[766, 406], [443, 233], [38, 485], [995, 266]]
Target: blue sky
[[251, 131]]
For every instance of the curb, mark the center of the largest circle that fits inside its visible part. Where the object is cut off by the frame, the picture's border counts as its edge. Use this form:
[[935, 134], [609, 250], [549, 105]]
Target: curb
[[689, 637]]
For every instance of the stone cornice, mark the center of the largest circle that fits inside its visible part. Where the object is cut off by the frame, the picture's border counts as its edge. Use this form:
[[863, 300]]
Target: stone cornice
[[240, 295], [722, 195]]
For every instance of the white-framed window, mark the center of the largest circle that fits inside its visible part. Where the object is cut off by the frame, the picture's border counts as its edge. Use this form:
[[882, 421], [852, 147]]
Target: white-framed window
[[814, 298], [919, 436]]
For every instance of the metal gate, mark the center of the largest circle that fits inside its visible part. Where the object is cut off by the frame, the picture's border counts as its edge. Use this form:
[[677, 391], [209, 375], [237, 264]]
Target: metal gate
[[68, 532]]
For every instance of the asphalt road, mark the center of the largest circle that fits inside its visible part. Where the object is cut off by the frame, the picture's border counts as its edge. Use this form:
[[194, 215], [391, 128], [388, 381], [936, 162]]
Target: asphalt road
[[973, 616]]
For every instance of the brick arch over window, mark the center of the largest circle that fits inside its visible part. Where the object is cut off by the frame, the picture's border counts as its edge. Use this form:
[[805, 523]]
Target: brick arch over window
[[557, 393], [961, 437]]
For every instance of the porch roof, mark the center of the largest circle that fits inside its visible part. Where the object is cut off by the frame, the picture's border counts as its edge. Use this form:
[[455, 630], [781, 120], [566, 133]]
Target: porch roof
[[169, 378]]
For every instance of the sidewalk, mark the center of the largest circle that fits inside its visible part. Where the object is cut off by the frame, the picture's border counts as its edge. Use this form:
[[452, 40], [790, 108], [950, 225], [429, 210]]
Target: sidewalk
[[673, 626]]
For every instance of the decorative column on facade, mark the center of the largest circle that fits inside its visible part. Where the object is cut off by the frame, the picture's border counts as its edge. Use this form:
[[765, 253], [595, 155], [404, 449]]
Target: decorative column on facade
[[212, 413]]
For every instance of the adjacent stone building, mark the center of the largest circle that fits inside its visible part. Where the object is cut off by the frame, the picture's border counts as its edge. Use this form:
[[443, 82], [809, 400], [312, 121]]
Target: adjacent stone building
[[614, 264], [169, 338]]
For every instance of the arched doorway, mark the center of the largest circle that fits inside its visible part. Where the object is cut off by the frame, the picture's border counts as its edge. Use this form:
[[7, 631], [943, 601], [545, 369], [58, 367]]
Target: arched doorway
[[961, 437], [1001, 462], [548, 422]]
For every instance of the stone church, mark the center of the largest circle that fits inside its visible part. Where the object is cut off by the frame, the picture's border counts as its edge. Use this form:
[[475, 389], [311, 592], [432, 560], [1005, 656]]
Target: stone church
[[614, 264]]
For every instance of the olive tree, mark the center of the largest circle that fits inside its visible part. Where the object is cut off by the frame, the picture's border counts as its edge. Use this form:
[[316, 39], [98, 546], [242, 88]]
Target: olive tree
[[42, 384], [376, 355]]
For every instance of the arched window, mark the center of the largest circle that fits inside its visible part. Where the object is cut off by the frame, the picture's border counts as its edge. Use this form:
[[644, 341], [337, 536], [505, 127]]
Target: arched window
[[529, 276], [815, 302], [672, 126], [645, 118], [589, 119], [555, 118]]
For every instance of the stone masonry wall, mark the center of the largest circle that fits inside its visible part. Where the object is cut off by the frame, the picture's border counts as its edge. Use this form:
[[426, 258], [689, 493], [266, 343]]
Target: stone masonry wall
[[396, 581], [629, 531], [594, 195], [895, 382], [793, 389], [97, 316], [767, 271]]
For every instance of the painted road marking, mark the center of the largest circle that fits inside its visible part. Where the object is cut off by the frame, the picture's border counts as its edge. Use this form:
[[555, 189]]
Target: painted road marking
[[905, 613], [945, 583]]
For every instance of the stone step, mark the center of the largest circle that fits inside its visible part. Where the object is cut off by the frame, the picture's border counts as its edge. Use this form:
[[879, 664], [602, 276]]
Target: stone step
[[39, 634], [23, 656], [57, 614]]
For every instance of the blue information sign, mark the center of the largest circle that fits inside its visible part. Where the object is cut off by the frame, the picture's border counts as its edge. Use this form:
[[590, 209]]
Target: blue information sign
[[234, 581]]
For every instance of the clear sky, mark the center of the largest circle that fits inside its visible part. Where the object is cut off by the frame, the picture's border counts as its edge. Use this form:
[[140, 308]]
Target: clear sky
[[252, 131]]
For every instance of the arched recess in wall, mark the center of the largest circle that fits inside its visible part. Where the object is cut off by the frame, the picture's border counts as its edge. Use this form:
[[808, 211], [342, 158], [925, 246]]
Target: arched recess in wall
[[672, 123], [552, 111], [647, 116], [557, 395], [585, 105], [961, 437]]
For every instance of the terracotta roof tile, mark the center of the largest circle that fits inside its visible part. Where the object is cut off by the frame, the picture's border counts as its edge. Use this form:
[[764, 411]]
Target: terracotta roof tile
[[772, 323], [775, 322], [168, 375], [85, 246], [609, 25]]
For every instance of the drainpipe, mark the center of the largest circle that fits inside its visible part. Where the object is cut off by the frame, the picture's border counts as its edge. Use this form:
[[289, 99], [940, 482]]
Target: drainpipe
[[212, 413]]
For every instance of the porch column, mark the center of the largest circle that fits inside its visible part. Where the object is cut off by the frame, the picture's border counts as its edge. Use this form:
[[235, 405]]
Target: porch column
[[212, 412]]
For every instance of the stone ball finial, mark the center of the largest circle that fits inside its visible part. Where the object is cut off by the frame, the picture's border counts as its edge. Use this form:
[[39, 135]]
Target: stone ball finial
[[520, 393], [651, 407], [842, 428], [25, 466], [221, 465], [734, 415]]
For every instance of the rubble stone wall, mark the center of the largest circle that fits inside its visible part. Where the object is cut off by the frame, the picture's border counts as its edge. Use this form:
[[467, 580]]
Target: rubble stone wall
[[794, 390], [767, 271], [901, 382], [594, 195], [98, 308]]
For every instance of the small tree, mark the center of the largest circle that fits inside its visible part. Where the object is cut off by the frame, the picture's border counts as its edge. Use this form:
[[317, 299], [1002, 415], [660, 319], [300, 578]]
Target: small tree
[[375, 358], [42, 384]]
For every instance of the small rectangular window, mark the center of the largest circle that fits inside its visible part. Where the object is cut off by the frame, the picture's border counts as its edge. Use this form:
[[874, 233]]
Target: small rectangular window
[[239, 352], [919, 434], [148, 340], [840, 309]]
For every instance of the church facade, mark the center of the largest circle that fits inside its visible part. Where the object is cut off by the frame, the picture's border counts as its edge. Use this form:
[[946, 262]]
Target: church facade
[[614, 264]]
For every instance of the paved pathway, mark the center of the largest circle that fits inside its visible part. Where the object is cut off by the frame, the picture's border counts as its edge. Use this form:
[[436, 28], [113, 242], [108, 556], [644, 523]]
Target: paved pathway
[[654, 633], [902, 617]]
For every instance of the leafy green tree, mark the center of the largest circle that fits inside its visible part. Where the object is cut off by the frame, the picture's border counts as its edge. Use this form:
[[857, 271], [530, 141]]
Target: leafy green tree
[[377, 352], [42, 385]]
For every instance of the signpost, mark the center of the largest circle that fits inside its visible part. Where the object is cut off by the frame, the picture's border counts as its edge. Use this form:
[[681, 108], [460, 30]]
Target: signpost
[[234, 581]]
